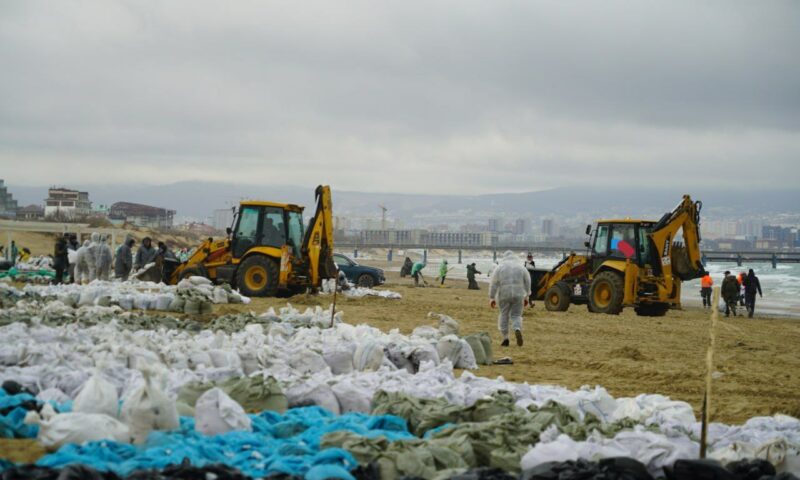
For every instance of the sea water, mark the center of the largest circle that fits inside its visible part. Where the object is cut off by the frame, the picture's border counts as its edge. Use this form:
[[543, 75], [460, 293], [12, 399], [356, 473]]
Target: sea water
[[781, 285]]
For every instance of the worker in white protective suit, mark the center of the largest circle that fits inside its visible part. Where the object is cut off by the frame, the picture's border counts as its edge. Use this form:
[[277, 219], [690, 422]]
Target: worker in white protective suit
[[81, 265], [103, 260], [509, 290], [92, 254]]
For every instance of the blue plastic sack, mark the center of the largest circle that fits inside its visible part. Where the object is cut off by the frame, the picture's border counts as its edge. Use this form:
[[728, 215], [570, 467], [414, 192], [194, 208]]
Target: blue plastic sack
[[279, 444]]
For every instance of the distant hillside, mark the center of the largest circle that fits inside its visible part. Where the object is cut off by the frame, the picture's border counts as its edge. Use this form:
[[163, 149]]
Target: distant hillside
[[200, 199]]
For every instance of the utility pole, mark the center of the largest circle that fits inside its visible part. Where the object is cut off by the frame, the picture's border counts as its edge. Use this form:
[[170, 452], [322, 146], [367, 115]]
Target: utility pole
[[383, 216]]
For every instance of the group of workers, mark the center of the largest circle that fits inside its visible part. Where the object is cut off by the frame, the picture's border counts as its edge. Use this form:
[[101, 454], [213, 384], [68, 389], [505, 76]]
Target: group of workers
[[736, 289], [93, 260], [15, 254]]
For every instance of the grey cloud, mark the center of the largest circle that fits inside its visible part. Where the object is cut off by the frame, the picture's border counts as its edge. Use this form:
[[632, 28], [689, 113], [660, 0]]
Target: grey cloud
[[411, 96]]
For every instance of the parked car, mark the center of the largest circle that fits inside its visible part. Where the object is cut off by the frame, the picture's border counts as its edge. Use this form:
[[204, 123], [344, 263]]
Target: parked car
[[361, 275]]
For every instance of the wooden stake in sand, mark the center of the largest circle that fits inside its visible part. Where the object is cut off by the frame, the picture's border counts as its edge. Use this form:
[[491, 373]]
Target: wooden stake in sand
[[712, 334]]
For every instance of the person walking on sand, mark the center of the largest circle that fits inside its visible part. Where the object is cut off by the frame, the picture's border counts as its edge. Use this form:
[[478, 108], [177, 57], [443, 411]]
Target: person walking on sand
[[442, 272], [471, 272], [706, 283], [509, 290], [751, 286], [740, 282], [730, 293], [416, 272]]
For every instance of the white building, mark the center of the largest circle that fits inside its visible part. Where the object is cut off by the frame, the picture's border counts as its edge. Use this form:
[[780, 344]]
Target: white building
[[63, 202]]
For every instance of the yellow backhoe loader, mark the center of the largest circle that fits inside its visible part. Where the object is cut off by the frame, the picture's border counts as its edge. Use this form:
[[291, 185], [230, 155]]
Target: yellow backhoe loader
[[268, 252], [630, 263]]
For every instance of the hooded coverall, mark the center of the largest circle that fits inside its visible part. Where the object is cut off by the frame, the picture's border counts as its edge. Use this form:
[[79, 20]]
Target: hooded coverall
[[510, 287]]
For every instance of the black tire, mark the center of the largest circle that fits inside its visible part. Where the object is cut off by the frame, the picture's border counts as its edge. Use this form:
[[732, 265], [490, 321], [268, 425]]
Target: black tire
[[257, 276], [606, 293], [366, 280], [652, 309], [556, 298], [195, 271]]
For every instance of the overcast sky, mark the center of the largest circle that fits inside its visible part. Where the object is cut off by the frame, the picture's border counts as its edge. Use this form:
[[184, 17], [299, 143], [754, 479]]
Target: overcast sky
[[403, 96]]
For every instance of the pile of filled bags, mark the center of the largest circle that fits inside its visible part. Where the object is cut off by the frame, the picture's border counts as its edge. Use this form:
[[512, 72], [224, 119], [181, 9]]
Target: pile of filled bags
[[38, 270], [354, 291], [193, 295], [301, 393]]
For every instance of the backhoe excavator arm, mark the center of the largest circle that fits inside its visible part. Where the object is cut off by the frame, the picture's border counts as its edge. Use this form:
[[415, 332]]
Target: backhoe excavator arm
[[318, 241], [687, 216]]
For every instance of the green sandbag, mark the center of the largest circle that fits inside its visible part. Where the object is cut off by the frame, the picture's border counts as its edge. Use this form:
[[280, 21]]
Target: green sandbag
[[254, 394], [205, 307], [177, 304], [477, 349], [486, 341], [423, 414], [433, 459], [192, 306]]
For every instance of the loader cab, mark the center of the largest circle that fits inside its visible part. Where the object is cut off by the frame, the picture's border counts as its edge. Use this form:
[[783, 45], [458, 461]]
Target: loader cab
[[265, 224], [620, 240]]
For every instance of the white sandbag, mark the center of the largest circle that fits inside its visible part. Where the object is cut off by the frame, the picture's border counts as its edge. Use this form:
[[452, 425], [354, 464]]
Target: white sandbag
[[163, 302], [400, 360], [447, 325], [148, 408], [142, 302], [219, 296], [307, 361], [249, 362], [466, 358], [340, 360], [368, 356], [98, 395], [424, 353], [215, 412], [125, 302], [87, 297], [11, 355], [57, 430], [198, 358], [225, 359], [309, 393], [352, 398], [197, 280], [449, 348], [426, 332], [52, 395]]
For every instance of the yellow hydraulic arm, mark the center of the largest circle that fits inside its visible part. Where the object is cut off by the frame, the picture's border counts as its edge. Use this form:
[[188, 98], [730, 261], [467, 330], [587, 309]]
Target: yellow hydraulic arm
[[687, 216], [318, 241]]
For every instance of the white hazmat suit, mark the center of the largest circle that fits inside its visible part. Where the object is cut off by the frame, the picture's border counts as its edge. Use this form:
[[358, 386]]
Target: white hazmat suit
[[510, 287], [81, 265], [103, 260], [92, 254]]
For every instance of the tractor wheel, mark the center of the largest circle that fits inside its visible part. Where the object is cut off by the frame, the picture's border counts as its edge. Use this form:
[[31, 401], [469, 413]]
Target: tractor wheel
[[257, 276], [195, 271], [556, 298], [652, 309], [606, 293], [366, 280]]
